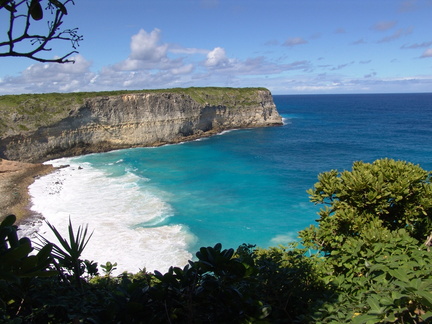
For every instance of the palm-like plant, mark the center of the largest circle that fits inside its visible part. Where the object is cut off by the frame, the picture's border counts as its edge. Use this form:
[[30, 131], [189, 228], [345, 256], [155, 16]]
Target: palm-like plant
[[68, 253]]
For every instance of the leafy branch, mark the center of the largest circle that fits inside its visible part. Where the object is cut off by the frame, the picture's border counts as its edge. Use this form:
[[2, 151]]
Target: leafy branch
[[19, 35]]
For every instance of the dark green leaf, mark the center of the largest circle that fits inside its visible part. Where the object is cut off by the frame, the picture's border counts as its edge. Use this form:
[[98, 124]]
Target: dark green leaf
[[8, 221], [35, 10], [399, 274], [374, 304], [426, 298]]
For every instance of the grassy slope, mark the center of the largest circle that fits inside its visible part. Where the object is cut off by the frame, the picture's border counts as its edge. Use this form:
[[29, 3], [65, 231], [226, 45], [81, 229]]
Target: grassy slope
[[27, 112]]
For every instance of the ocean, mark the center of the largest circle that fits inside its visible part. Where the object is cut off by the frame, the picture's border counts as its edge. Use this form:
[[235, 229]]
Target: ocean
[[153, 208]]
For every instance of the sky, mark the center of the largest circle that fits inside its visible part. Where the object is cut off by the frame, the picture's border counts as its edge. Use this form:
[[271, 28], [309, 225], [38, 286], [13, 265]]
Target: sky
[[287, 46]]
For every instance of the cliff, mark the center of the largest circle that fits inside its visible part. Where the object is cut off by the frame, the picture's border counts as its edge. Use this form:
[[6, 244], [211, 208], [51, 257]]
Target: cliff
[[97, 123]]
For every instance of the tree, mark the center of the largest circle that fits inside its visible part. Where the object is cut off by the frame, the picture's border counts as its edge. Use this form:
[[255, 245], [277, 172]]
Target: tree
[[21, 41], [397, 193], [371, 232]]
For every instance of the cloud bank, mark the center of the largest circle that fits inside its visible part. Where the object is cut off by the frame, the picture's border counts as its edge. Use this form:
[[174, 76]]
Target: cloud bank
[[153, 63]]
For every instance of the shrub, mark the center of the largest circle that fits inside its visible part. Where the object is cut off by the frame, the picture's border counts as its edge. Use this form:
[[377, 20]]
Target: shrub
[[383, 277], [397, 193]]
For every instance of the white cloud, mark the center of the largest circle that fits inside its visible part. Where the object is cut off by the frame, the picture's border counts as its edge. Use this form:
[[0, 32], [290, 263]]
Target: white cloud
[[383, 25], [417, 45], [344, 84], [294, 41], [51, 77], [148, 53], [50, 70], [272, 42], [112, 79], [370, 75], [153, 63], [316, 36], [217, 58], [186, 69], [341, 66], [145, 46], [150, 64], [427, 53], [223, 66], [397, 34], [358, 42], [407, 6], [189, 51]]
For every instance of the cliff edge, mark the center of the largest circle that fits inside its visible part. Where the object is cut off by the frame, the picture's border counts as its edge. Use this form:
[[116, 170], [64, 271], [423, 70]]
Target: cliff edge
[[36, 128]]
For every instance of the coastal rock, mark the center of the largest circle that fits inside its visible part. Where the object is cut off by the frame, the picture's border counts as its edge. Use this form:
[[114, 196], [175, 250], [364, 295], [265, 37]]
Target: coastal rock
[[141, 119]]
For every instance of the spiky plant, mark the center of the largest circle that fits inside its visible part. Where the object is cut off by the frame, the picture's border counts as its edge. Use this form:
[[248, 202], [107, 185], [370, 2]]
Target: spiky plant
[[68, 252]]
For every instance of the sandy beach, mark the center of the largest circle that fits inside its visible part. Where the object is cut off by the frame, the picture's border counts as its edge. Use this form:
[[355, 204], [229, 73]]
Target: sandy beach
[[15, 177]]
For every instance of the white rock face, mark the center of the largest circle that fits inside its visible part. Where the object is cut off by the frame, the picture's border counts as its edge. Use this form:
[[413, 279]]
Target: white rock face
[[139, 119]]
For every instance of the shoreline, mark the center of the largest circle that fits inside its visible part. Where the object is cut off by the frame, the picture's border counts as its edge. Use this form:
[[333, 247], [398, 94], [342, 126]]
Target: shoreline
[[15, 178]]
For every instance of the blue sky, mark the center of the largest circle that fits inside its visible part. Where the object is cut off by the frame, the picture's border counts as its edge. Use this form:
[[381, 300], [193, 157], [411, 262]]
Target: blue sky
[[287, 46]]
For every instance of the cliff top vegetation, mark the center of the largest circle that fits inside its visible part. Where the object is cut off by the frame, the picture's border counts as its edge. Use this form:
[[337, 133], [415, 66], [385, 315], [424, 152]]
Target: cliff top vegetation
[[26, 112]]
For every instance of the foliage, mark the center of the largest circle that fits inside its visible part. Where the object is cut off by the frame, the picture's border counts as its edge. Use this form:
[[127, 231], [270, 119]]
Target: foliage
[[232, 97], [372, 232], [20, 38], [287, 280], [209, 290], [18, 268], [379, 274], [382, 277], [396, 192], [109, 267], [68, 253], [16, 263], [277, 285]]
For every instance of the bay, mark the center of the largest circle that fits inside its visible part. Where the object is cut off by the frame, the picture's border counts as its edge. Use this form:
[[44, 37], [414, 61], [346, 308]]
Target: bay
[[154, 207]]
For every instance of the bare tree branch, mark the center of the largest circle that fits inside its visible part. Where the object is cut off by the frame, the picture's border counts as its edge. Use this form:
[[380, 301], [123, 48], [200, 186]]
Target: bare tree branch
[[19, 40]]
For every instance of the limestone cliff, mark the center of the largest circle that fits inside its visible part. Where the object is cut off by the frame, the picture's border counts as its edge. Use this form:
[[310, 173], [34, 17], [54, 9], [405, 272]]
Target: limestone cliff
[[105, 123]]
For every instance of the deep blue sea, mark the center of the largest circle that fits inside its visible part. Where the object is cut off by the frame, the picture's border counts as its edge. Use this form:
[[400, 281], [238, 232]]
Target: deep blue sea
[[154, 207]]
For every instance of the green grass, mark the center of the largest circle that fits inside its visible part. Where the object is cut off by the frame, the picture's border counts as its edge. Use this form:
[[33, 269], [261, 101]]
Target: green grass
[[27, 112]]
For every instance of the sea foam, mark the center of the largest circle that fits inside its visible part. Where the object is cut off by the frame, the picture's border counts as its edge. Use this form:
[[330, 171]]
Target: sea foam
[[127, 217]]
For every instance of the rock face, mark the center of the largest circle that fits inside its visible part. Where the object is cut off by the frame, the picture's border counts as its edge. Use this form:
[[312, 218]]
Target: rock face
[[139, 119]]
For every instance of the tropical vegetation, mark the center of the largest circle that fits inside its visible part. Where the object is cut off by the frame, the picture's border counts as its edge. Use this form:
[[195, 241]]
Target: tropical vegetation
[[367, 260]]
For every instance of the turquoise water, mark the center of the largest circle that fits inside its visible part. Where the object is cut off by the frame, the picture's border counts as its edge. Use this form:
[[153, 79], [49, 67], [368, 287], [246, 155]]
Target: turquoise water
[[220, 188], [244, 186]]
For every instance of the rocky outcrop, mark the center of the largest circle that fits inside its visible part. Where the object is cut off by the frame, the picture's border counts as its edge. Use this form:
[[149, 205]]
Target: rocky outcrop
[[140, 119]]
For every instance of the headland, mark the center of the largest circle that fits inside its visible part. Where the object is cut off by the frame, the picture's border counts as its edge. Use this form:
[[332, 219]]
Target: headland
[[35, 128]]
